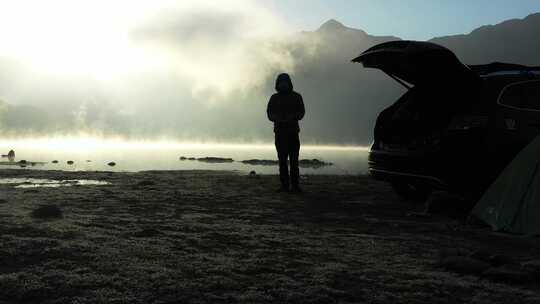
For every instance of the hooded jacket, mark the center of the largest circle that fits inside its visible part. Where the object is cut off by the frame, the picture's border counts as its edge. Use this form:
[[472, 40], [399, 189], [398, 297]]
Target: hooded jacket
[[286, 107]]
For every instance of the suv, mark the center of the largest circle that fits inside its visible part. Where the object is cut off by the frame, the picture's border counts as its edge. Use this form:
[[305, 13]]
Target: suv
[[457, 126]]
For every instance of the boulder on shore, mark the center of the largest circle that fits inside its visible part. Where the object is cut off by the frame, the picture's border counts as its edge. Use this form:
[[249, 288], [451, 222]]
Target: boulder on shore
[[145, 183], [507, 274], [465, 265], [47, 212], [533, 268]]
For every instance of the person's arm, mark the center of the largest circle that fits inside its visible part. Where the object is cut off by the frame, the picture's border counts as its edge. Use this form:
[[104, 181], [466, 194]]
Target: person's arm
[[300, 110], [271, 110]]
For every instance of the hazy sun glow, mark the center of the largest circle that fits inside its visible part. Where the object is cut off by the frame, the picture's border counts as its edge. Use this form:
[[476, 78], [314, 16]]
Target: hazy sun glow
[[175, 69], [73, 38], [66, 38]]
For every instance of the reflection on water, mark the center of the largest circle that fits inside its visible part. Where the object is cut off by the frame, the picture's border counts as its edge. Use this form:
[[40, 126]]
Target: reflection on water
[[92, 155], [49, 183]]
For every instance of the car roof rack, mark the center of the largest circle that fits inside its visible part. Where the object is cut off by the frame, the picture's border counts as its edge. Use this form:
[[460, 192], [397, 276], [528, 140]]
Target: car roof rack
[[503, 68]]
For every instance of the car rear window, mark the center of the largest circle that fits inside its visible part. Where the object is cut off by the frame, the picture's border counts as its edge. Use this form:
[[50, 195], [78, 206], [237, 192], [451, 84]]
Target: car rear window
[[523, 95]]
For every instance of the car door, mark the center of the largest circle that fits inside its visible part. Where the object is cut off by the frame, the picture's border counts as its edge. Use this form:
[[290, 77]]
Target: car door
[[417, 62]]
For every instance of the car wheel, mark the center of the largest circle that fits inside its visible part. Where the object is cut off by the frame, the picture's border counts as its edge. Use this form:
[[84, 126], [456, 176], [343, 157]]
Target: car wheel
[[412, 192]]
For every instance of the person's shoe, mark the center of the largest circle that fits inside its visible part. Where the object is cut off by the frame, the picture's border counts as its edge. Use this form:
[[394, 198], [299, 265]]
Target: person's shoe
[[297, 190]]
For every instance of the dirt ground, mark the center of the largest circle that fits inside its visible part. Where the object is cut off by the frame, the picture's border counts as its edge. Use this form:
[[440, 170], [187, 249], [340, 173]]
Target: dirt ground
[[224, 237]]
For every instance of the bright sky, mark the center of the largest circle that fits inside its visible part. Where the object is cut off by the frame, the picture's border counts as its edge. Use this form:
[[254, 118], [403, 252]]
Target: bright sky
[[407, 19], [110, 41]]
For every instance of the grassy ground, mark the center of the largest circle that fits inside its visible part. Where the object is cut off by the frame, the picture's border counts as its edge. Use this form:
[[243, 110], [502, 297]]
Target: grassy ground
[[218, 237]]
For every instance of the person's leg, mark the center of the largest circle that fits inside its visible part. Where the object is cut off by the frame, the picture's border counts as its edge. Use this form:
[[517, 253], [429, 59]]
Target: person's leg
[[282, 151], [294, 153]]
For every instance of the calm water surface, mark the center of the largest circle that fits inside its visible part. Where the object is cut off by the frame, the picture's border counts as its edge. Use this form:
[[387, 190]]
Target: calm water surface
[[131, 157]]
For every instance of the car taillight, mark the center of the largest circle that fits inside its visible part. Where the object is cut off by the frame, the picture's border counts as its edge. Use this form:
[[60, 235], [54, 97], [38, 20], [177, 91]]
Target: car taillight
[[464, 123]]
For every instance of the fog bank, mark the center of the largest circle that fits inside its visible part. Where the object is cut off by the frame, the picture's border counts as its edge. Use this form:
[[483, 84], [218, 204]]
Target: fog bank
[[197, 71]]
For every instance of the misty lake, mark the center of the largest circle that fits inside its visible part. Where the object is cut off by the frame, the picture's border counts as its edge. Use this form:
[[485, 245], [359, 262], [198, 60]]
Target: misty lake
[[95, 155]]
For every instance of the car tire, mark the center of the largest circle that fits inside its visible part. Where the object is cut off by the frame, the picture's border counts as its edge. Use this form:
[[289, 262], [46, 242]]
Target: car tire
[[415, 193]]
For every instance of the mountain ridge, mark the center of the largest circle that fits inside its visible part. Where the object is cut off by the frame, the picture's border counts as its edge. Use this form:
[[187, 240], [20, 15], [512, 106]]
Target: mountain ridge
[[358, 95], [336, 25]]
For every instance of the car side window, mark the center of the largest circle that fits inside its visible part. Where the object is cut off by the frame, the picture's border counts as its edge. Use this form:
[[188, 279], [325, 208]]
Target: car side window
[[522, 95]]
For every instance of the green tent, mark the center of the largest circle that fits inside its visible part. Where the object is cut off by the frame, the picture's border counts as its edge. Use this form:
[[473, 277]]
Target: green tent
[[512, 203]]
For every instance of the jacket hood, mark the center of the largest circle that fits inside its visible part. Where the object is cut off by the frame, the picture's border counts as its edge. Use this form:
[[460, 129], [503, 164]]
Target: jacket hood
[[284, 78]]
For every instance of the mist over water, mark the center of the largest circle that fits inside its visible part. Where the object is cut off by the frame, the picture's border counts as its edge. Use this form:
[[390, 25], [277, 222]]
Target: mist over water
[[179, 69], [197, 70], [182, 70], [131, 156]]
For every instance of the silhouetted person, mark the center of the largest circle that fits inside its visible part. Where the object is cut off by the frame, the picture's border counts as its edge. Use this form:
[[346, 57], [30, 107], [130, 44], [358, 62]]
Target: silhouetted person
[[285, 109]]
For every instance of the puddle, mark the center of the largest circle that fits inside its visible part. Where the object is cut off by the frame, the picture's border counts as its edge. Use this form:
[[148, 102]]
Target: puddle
[[49, 183]]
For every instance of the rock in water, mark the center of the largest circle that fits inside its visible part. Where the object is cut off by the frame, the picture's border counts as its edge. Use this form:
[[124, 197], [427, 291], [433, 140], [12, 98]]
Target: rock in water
[[111, 164], [11, 155], [260, 162], [215, 160], [55, 162], [313, 163], [70, 162]]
